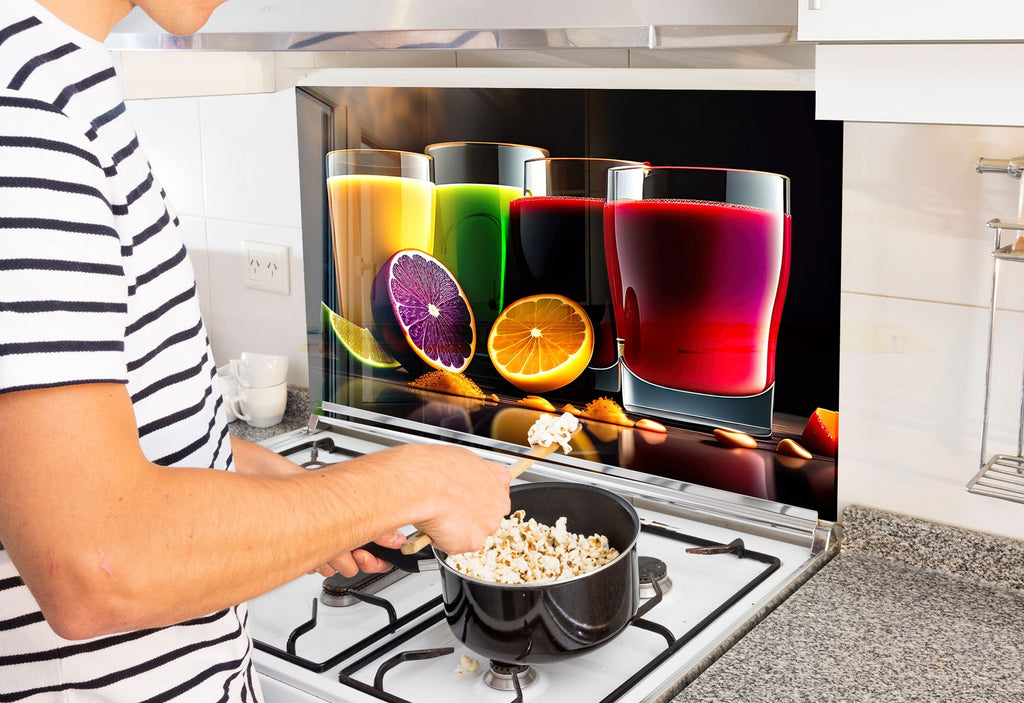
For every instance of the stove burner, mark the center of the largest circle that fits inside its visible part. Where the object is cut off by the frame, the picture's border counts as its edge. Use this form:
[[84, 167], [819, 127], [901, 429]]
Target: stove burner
[[337, 590], [501, 677], [653, 568]]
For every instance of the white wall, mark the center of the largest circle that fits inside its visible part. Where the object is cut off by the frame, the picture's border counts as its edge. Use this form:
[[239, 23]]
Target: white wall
[[230, 168], [916, 280]]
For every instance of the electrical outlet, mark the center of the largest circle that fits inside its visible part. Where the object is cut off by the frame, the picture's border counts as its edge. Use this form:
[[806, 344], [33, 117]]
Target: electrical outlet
[[265, 266]]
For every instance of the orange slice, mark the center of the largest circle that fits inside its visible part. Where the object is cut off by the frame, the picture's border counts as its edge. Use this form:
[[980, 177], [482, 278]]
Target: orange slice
[[541, 342], [821, 433]]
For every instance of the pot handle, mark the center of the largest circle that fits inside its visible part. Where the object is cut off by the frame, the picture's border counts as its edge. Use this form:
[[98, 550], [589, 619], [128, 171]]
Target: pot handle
[[423, 560]]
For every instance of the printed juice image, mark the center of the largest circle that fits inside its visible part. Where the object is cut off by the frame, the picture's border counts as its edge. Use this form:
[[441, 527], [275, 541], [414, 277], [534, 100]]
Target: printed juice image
[[372, 217], [698, 289], [470, 240], [556, 245]]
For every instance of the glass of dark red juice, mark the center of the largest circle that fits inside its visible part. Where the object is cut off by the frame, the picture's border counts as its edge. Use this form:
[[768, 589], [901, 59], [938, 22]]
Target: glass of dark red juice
[[556, 242], [698, 263]]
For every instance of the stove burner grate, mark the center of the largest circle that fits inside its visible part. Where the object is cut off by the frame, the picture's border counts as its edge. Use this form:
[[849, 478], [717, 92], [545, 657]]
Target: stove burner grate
[[315, 446], [389, 639]]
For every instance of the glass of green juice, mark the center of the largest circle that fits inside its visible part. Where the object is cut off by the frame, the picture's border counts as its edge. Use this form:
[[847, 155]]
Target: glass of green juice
[[380, 201], [475, 182]]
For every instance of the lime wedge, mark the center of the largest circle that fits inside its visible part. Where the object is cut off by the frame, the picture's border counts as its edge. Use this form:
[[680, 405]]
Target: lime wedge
[[357, 340]]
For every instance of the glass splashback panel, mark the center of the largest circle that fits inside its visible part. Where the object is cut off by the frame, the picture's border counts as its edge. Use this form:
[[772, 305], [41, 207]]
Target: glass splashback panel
[[370, 370]]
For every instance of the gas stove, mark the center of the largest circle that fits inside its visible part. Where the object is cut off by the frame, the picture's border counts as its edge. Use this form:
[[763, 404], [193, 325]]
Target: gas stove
[[713, 564]]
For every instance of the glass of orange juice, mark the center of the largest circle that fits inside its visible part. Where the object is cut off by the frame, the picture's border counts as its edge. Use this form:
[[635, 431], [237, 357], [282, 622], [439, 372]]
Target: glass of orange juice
[[380, 201]]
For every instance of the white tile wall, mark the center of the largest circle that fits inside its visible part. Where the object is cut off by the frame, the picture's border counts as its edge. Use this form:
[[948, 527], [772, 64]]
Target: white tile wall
[[230, 167], [916, 281], [244, 319], [169, 133], [250, 158], [916, 278], [914, 210]]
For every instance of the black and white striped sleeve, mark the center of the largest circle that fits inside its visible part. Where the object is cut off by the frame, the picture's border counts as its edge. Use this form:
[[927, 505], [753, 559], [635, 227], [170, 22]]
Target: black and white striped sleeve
[[63, 291]]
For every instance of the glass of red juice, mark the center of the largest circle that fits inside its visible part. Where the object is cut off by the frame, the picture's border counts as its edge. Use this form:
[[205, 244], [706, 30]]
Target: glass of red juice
[[556, 241], [698, 263]]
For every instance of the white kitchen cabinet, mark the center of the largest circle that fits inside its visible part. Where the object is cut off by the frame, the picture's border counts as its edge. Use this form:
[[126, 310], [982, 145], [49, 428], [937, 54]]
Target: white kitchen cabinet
[[910, 20], [916, 61], [955, 83]]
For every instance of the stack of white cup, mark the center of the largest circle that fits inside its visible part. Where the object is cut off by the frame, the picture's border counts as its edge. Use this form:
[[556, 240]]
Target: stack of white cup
[[255, 389]]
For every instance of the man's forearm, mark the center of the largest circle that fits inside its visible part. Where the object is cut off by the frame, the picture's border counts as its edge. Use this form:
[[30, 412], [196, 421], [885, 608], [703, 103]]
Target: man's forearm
[[139, 545], [251, 458], [108, 541]]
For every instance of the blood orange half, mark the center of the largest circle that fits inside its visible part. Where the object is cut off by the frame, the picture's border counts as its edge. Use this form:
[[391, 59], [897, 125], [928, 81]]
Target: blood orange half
[[541, 342], [418, 306]]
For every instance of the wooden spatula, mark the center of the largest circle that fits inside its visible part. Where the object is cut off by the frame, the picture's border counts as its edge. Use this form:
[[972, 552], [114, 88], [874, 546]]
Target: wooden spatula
[[418, 540]]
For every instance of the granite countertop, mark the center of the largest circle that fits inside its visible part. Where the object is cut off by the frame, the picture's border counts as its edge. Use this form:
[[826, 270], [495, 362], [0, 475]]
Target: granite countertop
[[296, 415], [909, 610]]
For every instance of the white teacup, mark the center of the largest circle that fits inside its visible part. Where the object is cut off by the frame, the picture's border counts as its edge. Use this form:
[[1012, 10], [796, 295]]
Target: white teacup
[[260, 407], [228, 388], [259, 370]]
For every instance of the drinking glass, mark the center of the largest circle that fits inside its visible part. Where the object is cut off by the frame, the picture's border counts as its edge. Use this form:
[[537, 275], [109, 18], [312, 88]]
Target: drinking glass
[[381, 201], [556, 241], [476, 181], [698, 263]]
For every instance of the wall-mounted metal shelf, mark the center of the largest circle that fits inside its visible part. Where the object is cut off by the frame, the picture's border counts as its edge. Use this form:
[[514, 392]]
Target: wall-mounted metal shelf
[[1001, 475]]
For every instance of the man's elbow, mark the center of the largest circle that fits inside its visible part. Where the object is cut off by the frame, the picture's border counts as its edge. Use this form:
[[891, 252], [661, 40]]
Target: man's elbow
[[88, 602]]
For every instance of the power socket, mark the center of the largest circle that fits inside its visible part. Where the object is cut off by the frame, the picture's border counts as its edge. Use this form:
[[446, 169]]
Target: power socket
[[265, 266]]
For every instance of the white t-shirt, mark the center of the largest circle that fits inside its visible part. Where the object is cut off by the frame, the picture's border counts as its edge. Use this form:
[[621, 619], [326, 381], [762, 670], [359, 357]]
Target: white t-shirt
[[96, 286]]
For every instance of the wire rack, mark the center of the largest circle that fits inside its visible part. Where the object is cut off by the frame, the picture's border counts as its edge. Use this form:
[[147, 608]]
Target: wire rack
[[1000, 475]]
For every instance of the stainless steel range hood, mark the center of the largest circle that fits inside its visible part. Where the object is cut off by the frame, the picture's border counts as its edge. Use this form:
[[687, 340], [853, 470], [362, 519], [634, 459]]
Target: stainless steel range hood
[[358, 25]]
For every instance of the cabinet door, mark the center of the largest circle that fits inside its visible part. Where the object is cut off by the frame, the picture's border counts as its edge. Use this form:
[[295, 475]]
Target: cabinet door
[[926, 82], [910, 20]]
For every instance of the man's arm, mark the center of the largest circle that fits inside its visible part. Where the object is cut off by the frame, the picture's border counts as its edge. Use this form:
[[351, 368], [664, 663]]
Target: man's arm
[[253, 459], [107, 541]]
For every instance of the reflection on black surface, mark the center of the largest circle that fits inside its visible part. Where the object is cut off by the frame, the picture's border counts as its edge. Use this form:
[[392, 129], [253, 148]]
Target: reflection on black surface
[[684, 454], [698, 460]]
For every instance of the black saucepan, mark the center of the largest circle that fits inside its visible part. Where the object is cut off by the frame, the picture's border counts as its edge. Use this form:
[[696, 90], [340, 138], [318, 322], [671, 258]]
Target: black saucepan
[[543, 622]]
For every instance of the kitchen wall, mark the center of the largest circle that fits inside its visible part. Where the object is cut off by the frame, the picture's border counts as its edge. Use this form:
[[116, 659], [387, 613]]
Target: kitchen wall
[[230, 167], [916, 281]]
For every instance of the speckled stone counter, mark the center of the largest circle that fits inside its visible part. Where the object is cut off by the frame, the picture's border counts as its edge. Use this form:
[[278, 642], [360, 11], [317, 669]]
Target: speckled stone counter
[[296, 415], [908, 611]]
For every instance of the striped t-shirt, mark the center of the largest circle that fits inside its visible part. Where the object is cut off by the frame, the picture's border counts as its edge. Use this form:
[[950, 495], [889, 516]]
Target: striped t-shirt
[[95, 286]]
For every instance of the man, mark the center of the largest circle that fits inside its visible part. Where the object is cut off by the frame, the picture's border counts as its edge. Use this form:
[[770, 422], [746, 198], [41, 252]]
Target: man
[[124, 555]]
